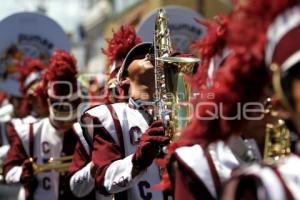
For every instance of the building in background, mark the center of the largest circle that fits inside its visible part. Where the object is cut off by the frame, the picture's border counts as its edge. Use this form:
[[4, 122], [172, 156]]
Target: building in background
[[67, 13], [88, 22], [105, 15]]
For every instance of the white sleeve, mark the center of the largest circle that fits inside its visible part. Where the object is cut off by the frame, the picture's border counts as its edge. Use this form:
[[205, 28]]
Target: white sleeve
[[3, 151], [14, 175], [82, 182], [118, 176]]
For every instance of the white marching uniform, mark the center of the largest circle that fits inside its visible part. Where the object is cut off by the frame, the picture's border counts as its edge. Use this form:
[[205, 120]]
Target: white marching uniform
[[206, 169], [4, 147], [42, 141], [279, 181], [15, 191], [124, 131], [82, 182]]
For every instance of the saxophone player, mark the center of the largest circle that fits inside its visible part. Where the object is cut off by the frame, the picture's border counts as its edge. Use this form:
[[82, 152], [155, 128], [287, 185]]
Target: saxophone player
[[126, 141], [81, 182], [52, 136]]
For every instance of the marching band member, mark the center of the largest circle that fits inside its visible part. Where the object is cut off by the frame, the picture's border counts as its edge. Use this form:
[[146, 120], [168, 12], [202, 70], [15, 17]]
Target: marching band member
[[81, 182], [21, 112], [125, 139], [11, 85], [29, 78], [281, 25], [239, 79], [53, 136], [118, 47], [31, 71], [207, 166]]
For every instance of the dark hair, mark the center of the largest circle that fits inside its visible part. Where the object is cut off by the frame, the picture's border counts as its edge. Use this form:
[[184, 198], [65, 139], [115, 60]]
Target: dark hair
[[287, 79]]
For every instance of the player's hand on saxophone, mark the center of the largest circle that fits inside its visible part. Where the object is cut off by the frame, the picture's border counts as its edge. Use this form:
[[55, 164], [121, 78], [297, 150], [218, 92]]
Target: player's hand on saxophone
[[150, 145]]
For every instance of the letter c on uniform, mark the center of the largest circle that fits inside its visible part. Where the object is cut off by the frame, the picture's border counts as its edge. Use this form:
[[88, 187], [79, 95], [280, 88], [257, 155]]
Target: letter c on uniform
[[142, 186]]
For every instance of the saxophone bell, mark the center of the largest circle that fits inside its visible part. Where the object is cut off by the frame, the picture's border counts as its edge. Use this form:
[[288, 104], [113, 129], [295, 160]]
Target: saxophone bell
[[172, 89], [184, 64]]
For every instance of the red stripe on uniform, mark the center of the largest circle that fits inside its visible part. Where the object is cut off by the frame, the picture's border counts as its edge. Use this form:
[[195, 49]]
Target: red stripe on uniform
[[120, 195], [118, 128], [201, 189], [287, 192], [213, 170], [31, 140]]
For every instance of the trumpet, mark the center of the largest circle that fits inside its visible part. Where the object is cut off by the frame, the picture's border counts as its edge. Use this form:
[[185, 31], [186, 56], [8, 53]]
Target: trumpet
[[58, 164]]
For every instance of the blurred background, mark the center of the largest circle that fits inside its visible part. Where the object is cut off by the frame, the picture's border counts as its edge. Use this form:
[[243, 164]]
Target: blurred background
[[89, 22]]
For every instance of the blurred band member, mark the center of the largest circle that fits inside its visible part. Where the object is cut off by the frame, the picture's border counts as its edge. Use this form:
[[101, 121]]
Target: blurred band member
[[279, 50], [25, 100], [51, 137], [31, 71], [197, 169]]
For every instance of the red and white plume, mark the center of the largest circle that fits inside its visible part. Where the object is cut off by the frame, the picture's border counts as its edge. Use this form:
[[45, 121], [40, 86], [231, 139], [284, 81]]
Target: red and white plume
[[121, 43], [62, 68]]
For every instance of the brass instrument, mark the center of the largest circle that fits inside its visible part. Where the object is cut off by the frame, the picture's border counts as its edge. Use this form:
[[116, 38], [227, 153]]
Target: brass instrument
[[172, 90], [59, 164], [277, 142]]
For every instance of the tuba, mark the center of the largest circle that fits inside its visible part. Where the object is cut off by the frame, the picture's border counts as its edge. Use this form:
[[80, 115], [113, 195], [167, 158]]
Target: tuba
[[59, 164], [277, 142], [172, 92]]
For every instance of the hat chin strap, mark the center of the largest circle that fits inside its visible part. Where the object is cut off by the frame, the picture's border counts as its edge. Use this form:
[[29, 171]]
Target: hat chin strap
[[276, 80]]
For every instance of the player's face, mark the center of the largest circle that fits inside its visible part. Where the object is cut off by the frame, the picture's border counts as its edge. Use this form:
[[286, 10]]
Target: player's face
[[140, 66], [63, 112], [39, 106], [17, 104], [142, 71]]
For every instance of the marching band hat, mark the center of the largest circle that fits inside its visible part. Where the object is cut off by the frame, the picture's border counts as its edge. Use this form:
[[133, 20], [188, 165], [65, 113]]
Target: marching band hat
[[283, 47], [141, 49]]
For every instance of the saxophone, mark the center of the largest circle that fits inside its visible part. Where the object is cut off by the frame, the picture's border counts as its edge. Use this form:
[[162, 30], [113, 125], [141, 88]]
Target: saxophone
[[277, 142], [172, 91]]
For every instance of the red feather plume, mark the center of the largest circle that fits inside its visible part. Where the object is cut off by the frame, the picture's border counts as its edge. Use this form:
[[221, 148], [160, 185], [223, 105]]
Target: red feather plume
[[121, 43], [62, 67], [243, 76], [209, 46]]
